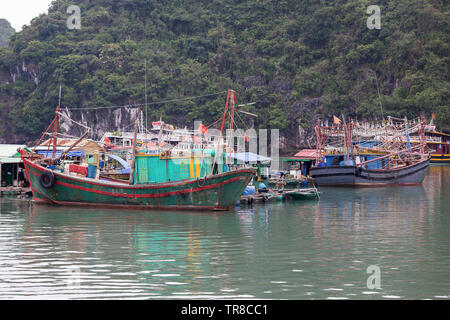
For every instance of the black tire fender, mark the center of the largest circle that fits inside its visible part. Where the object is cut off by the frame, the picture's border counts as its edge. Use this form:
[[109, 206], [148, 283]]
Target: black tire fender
[[47, 179]]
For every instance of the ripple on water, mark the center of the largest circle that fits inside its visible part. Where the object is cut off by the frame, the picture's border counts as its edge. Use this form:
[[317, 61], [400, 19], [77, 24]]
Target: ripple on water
[[288, 250]]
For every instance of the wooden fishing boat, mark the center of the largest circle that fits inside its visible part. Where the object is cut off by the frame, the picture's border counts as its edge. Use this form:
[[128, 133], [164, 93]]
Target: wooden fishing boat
[[438, 144], [400, 164], [201, 180], [214, 192], [353, 175]]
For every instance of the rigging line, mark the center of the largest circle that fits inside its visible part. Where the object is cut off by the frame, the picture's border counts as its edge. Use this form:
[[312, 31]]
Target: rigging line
[[213, 123], [78, 123], [149, 103], [243, 122], [61, 135]]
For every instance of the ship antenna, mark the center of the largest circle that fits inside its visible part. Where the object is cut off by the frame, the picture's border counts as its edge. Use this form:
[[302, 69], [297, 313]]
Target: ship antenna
[[145, 105]]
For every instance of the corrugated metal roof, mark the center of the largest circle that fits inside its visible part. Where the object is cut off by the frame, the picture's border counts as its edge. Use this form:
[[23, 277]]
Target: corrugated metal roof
[[306, 154], [4, 160], [9, 150]]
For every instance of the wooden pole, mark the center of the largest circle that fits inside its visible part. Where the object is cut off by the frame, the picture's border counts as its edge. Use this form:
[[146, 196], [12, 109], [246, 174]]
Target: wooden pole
[[55, 128], [55, 131], [389, 155], [133, 157], [40, 140], [345, 139], [17, 174], [221, 129]]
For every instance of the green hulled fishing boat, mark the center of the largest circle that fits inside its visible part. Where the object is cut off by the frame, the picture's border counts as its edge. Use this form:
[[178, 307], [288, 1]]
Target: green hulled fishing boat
[[197, 179], [213, 192]]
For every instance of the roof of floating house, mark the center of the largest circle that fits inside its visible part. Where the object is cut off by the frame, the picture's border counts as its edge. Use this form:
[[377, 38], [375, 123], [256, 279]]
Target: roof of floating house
[[9, 154], [309, 154], [86, 145]]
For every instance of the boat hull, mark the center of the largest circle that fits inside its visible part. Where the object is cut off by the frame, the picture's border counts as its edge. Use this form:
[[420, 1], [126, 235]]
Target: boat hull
[[216, 192], [354, 176], [440, 158], [304, 194]]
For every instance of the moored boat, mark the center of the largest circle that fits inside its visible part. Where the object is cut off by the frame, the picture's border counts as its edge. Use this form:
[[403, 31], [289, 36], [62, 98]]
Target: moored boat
[[394, 163], [199, 180], [352, 175], [214, 192]]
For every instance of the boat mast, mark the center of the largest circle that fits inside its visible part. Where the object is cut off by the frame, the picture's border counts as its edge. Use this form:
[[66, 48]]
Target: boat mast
[[319, 155], [145, 105], [55, 128], [133, 156], [345, 141], [422, 134], [408, 143], [230, 142], [231, 95]]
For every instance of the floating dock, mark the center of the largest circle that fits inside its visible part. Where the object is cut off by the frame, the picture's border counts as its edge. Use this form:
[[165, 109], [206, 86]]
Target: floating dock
[[275, 195], [15, 191]]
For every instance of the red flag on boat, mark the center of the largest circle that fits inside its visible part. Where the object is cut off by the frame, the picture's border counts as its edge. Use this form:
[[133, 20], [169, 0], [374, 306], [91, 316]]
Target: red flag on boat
[[336, 120], [203, 128], [107, 141], [434, 118]]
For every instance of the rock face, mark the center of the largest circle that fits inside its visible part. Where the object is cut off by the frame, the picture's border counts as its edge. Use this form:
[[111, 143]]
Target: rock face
[[289, 63], [6, 31], [100, 121]]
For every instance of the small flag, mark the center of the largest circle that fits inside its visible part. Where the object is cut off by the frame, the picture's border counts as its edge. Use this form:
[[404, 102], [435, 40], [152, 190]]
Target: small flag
[[107, 141], [336, 120], [203, 128], [434, 117]]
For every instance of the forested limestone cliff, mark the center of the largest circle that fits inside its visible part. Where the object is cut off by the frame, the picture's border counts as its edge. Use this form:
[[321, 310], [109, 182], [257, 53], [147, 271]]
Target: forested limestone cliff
[[298, 60]]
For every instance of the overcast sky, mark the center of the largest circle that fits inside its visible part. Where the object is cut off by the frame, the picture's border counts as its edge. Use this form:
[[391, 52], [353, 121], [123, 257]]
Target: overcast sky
[[20, 12]]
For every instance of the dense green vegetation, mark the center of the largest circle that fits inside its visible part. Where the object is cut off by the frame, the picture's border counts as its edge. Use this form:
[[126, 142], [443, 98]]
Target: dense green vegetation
[[5, 32], [298, 60]]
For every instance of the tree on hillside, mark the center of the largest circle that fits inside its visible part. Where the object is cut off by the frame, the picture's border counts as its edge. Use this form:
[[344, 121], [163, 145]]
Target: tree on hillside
[[6, 30]]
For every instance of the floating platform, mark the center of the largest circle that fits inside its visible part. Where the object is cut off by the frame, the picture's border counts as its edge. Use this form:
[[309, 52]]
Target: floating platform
[[282, 195], [15, 191]]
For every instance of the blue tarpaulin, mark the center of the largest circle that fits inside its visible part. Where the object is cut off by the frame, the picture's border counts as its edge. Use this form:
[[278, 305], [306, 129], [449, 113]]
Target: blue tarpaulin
[[58, 153], [125, 165]]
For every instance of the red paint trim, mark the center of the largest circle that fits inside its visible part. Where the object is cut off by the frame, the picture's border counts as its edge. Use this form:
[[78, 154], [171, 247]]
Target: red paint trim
[[48, 199], [28, 176], [154, 195]]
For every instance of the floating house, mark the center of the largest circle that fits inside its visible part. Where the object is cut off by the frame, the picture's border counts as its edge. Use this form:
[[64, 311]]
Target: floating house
[[11, 166], [301, 162], [80, 153]]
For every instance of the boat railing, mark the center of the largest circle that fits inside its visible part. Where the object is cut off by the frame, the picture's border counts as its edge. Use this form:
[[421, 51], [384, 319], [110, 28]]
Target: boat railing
[[390, 155]]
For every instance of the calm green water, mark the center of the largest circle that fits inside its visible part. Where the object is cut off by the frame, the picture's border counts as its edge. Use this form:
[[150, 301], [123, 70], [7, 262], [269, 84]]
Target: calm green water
[[294, 250]]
